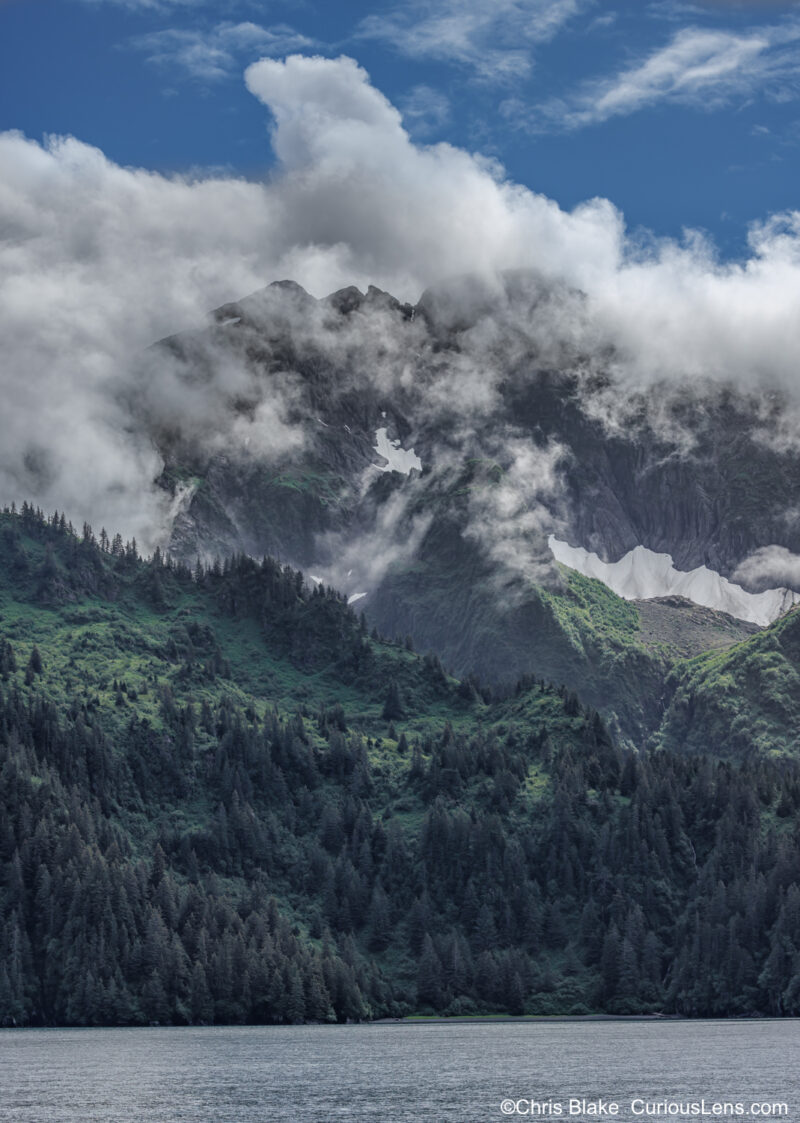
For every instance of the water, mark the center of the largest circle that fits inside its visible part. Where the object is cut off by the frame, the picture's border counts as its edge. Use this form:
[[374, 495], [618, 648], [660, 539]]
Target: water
[[455, 1073]]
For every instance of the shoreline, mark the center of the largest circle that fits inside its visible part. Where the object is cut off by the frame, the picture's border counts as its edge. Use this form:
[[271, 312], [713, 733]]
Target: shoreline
[[416, 1020], [488, 1019]]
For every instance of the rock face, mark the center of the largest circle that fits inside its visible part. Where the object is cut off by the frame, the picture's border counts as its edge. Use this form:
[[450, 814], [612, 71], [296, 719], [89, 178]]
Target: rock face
[[423, 455]]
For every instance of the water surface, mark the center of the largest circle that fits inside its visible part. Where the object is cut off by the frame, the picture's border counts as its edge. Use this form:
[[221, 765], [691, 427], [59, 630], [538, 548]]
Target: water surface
[[452, 1073]]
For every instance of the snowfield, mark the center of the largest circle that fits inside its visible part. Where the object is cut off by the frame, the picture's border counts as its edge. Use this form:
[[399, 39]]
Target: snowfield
[[399, 459], [643, 574]]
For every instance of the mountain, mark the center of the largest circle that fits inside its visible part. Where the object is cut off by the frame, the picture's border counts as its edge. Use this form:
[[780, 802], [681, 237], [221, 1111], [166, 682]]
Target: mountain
[[234, 791], [224, 800], [434, 461]]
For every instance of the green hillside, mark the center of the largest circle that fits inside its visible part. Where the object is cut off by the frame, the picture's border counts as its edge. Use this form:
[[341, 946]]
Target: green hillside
[[225, 801], [741, 702]]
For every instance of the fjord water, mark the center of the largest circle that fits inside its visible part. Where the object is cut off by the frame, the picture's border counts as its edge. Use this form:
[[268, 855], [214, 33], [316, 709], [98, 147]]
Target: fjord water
[[394, 1072]]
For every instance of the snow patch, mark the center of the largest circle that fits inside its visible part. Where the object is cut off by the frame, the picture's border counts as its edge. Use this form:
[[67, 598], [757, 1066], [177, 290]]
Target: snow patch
[[643, 574], [181, 499], [229, 320], [353, 596], [399, 459]]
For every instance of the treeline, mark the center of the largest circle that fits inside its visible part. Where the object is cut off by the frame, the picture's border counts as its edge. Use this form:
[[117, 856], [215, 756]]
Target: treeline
[[628, 885], [53, 565]]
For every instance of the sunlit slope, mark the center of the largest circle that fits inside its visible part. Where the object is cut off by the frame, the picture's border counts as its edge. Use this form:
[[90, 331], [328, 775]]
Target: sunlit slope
[[615, 654], [740, 702]]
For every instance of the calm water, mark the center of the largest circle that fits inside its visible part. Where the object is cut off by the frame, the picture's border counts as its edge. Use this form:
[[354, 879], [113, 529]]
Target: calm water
[[459, 1073]]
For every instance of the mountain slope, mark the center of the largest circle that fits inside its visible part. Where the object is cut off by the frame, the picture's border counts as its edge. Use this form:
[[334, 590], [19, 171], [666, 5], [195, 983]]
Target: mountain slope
[[741, 702], [282, 405], [616, 654]]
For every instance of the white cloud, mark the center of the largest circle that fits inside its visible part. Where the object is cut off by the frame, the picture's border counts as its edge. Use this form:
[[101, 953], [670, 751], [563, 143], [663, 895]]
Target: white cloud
[[770, 566], [700, 67], [397, 214], [162, 7], [492, 38], [679, 11], [97, 261], [214, 53]]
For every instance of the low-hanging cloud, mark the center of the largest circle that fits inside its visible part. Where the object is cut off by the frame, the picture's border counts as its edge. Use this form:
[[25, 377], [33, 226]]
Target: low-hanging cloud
[[97, 261], [769, 567], [358, 563], [512, 513]]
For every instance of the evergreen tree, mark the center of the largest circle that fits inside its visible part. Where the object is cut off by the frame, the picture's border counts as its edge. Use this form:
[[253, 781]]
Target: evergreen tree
[[429, 976], [393, 709]]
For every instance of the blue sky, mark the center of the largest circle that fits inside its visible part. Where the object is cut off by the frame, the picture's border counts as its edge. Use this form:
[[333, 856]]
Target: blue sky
[[682, 114]]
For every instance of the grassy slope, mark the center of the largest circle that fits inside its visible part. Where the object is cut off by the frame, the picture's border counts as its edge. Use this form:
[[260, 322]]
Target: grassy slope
[[740, 701], [90, 637], [620, 673]]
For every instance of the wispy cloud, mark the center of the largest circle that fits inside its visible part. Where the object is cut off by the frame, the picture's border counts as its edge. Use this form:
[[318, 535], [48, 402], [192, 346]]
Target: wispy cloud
[[153, 5], [492, 38], [214, 53], [748, 5], [215, 8], [424, 110], [699, 67], [681, 9], [607, 19]]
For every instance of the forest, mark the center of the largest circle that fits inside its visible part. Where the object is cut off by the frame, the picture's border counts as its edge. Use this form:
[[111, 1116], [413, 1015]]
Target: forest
[[226, 800]]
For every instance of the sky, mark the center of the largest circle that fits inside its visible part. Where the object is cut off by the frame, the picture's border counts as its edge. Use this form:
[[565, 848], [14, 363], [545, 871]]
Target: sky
[[684, 115], [159, 158]]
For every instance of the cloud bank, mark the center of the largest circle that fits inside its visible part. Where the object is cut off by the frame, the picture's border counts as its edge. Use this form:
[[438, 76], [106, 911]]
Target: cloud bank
[[97, 261]]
